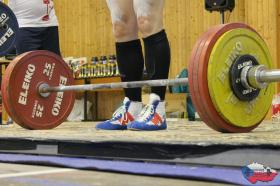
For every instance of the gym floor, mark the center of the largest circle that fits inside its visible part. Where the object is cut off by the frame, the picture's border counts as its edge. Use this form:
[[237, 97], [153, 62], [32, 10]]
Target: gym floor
[[26, 175], [184, 142], [178, 132]]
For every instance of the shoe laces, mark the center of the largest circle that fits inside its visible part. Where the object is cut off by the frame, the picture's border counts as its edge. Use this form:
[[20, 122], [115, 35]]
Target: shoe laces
[[119, 113], [146, 113]]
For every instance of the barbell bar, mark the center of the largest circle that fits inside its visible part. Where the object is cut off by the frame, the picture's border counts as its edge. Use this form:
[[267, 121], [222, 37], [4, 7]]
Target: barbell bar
[[44, 88], [231, 91]]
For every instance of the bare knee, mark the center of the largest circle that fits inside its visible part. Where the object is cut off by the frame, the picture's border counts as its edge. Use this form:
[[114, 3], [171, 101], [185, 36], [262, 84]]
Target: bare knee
[[119, 28], [146, 25], [124, 30], [149, 25]]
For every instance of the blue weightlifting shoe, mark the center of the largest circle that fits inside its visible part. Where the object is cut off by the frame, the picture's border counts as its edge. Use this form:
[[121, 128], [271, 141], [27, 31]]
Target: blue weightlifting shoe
[[152, 116], [122, 116]]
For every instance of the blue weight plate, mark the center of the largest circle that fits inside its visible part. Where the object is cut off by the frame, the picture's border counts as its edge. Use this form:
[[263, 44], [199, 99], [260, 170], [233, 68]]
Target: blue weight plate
[[8, 29]]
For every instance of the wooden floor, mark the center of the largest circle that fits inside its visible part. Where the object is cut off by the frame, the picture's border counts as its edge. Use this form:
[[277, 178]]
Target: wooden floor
[[179, 132]]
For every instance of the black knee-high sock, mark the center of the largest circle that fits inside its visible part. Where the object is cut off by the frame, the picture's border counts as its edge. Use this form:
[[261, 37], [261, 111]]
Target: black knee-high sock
[[131, 63], [157, 59]]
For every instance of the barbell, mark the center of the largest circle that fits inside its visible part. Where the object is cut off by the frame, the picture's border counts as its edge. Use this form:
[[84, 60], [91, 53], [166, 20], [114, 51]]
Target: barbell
[[230, 80]]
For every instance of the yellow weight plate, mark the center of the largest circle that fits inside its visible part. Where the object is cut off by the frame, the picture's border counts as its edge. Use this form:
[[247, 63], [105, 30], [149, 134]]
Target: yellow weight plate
[[229, 46]]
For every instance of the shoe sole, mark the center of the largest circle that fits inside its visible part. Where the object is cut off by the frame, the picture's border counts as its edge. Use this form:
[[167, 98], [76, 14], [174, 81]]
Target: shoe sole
[[133, 129]]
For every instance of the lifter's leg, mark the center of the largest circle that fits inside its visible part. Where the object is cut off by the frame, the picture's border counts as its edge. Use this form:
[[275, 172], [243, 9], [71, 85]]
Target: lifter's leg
[[130, 62], [128, 46], [157, 58], [157, 51]]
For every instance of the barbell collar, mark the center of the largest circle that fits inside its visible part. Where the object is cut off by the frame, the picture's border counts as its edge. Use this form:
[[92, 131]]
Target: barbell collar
[[133, 84], [254, 77], [245, 78], [43, 86]]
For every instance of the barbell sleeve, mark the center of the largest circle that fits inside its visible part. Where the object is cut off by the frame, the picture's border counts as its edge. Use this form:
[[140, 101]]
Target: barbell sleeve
[[270, 76], [259, 76]]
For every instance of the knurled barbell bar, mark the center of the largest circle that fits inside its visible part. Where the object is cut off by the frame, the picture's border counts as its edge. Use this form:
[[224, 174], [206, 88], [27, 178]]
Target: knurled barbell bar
[[229, 80]]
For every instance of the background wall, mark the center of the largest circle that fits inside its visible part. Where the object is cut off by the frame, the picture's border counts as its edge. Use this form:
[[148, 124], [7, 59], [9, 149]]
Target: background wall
[[85, 26]]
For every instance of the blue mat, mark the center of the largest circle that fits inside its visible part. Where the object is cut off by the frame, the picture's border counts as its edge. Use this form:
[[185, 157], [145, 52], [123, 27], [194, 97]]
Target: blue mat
[[213, 174]]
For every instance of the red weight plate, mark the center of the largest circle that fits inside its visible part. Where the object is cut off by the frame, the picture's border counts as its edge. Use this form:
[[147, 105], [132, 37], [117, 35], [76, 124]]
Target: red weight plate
[[204, 110], [203, 91], [193, 63], [4, 98], [20, 86]]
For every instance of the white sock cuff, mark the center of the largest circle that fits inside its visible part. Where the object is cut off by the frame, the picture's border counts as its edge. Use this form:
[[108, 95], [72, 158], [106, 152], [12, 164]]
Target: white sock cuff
[[135, 108], [153, 97], [161, 108]]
